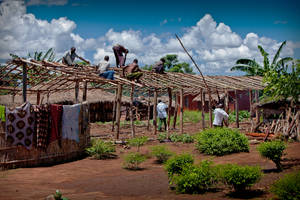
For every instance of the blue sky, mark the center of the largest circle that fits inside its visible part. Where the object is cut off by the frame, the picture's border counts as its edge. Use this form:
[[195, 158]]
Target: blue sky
[[147, 28]]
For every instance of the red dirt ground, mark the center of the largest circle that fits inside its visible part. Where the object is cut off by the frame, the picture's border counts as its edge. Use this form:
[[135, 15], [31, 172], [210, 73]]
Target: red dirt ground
[[106, 179]]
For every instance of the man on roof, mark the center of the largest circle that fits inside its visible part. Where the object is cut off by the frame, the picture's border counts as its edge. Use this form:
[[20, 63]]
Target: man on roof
[[132, 71], [69, 58], [118, 51], [103, 69], [159, 66]]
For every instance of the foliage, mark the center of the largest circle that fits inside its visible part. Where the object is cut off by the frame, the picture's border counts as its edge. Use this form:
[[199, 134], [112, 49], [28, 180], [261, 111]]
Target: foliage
[[133, 160], [147, 67], [221, 141], [272, 150], [175, 137], [138, 142], [239, 177], [101, 149], [58, 196], [172, 64], [288, 187], [186, 138], [176, 164], [195, 179], [191, 116], [243, 114], [162, 136], [162, 153]]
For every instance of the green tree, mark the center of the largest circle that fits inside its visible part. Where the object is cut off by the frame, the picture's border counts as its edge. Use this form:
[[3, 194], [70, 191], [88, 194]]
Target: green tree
[[172, 64], [147, 67]]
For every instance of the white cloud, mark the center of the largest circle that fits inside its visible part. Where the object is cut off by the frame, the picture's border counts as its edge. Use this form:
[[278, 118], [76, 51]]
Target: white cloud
[[47, 2], [164, 22], [214, 46]]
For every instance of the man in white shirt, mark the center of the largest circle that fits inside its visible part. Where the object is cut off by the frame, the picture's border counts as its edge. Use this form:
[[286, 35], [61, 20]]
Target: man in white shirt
[[69, 58], [162, 114], [103, 69], [220, 116]]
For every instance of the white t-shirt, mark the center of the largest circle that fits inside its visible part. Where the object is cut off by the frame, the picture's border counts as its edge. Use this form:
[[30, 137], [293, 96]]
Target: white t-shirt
[[220, 114], [161, 110], [103, 66]]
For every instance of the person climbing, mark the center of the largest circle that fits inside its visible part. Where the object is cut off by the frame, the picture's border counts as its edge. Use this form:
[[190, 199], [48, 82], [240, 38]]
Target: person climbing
[[159, 66], [103, 69], [132, 71], [118, 51], [69, 58]]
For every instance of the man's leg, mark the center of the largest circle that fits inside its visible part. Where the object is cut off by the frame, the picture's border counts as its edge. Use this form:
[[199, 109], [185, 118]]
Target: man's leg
[[121, 60], [110, 75], [159, 124], [165, 123], [117, 58]]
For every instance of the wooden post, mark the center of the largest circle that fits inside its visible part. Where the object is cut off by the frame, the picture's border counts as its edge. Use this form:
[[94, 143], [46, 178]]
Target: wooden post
[[118, 110], [24, 82], [251, 106], [114, 111], [236, 109], [203, 108], [131, 112], [210, 113], [84, 91], [181, 111], [48, 95], [76, 91], [175, 111], [169, 108], [13, 97], [257, 110], [155, 112], [149, 111], [38, 97], [226, 101]]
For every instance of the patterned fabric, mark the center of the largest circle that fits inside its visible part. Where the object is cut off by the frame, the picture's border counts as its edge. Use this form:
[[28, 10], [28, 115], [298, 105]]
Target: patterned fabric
[[20, 125], [70, 122], [2, 113], [56, 116], [42, 113]]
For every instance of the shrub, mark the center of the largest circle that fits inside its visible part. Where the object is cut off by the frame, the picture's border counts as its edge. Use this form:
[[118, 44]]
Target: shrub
[[221, 141], [177, 163], [58, 196], [132, 160], [288, 187], [138, 142], [240, 177], [272, 150], [161, 153], [243, 114], [101, 149], [195, 179], [186, 138], [175, 137], [161, 137]]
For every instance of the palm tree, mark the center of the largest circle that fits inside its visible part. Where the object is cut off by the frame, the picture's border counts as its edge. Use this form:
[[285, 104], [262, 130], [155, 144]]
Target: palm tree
[[252, 68]]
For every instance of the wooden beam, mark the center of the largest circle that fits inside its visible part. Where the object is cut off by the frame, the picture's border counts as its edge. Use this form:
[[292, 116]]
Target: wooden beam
[[114, 111], [118, 110], [181, 111], [175, 112], [257, 109], [149, 111], [84, 94], [169, 108], [210, 113], [251, 103], [24, 82], [38, 97], [131, 112], [226, 101], [155, 112], [77, 91], [236, 109], [203, 108]]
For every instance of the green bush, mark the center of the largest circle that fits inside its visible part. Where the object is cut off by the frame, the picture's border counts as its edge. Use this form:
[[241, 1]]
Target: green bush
[[138, 142], [288, 187], [272, 150], [162, 136], [243, 115], [58, 196], [186, 138], [177, 163], [175, 137], [221, 141], [161, 153], [239, 177], [101, 149], [133, 160], [195, 179]]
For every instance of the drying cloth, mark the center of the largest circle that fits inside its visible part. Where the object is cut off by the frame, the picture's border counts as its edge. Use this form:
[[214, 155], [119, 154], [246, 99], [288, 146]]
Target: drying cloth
[[20, 125], [70, 122], [2, 113], [42, 113], [56, 116]]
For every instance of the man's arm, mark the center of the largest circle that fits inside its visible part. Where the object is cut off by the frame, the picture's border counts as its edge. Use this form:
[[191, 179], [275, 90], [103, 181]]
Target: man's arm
[[81, 58]]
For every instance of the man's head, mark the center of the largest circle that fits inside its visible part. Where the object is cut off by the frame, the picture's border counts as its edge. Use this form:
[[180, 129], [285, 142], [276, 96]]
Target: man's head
[[219, 105], [135, 61], [106, 58], [73, 49], [162, 60], [159, 101]]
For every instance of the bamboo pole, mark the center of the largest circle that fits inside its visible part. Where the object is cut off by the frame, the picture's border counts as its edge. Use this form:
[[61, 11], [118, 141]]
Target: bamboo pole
[[251, 104], [149, 111], [84, 95], [38, 97], [114, 111], [226, 101], [181, 111], [236, 109], [175, 112], [76, 91], [257, 110], [203, 108], [24, 82], [131, 112], [118, 111], [169, 108], [155, 112], [210, 114]]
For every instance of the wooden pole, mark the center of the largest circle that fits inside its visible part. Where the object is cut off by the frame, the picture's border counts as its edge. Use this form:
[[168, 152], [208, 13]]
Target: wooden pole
[[226, 101], [257, 110], [114, 111], [155, 112], [118, 110], [181, 111], [13, 97], [203, 108], [38, 97], [251, 102], [149, 111], [169, 108], [175, 112], [131, 112], [84, 91], [48, 95], [210, 113], [76, 91], [236, 109], [24, 82]]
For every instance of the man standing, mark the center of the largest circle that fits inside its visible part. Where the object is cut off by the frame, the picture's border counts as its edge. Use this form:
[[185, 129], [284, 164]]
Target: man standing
[[220, 116], [118, 51], [162, 114], [159, 66], [103, 69], [132, 71], [69, 58]]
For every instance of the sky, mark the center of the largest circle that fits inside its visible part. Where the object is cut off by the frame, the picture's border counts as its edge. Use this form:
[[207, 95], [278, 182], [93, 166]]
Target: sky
[[215, 32]]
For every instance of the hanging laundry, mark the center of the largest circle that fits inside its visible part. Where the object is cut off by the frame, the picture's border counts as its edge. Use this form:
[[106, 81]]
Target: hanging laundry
[[2, 113], [70, 122], [20, 125], [56, 116], [42, 113]]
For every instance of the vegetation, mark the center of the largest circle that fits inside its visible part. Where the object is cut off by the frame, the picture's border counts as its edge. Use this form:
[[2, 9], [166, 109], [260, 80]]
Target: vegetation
[[272, 150], [58, 196], [221, 141], [176, 164], [133, 160], [162, 136], [162, 153], [243, 115], [184, 138], [138, 142], [288, 187], [101, 149]]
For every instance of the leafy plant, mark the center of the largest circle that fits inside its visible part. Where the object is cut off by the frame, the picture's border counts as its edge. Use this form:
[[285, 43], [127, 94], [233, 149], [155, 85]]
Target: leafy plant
[[58, 196], [195, 179], [161, 153], [239, 177], [133, 160], [221, 141], [272, 150], [186, 138], [101, 149], [138, 142], [176, 164], [288, 187], [161, 137], [243, 114], [175, 137]]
